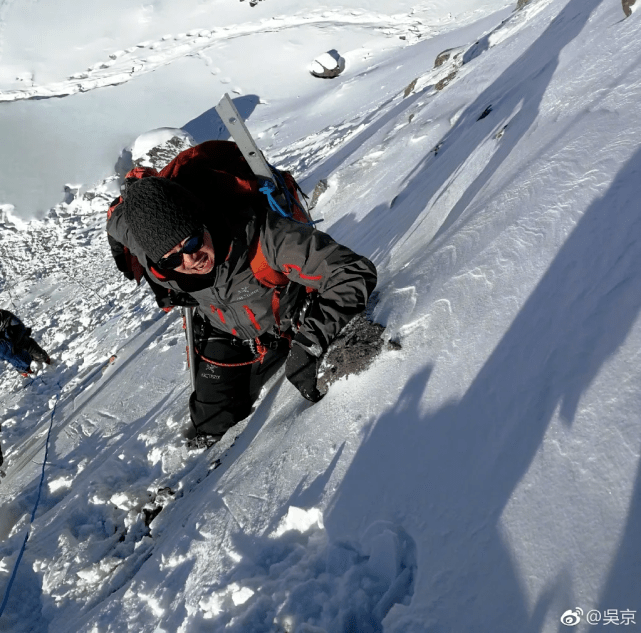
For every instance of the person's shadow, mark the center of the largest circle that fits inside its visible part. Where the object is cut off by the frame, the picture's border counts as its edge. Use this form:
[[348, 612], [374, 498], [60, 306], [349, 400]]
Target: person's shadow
[[446, 476], [208, 126]]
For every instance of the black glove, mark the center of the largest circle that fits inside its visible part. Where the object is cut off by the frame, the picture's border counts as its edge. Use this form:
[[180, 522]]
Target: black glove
[[302, 365], [164, 303]]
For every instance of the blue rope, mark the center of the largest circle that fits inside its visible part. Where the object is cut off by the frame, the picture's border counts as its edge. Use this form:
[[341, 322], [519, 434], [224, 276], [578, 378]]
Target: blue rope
[[270, 187], [33, 513]]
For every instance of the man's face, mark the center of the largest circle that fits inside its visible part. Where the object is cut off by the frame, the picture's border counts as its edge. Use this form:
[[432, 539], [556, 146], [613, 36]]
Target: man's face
[[199, 263]]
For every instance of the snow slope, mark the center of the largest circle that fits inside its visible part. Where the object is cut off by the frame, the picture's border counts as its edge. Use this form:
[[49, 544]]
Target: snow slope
[[483, 478], [166, 64]]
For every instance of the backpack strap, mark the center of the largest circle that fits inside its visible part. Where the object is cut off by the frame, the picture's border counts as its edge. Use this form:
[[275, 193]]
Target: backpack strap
[[292, 186], [140, 172]]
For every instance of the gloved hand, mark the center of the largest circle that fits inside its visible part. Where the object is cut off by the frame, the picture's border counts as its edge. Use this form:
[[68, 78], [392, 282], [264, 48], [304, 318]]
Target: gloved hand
[[302, 365], [164, 304]]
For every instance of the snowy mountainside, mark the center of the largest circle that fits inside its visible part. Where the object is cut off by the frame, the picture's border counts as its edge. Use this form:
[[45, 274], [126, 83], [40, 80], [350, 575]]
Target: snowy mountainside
[[166, 64], [483, 478]]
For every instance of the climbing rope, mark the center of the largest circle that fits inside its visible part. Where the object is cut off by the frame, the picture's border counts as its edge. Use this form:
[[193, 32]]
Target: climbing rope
[[33, 513], [268, 189], [279, 185]]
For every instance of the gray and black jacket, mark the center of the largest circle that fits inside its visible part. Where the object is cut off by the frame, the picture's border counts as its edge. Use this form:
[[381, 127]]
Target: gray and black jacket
[[235, 302]]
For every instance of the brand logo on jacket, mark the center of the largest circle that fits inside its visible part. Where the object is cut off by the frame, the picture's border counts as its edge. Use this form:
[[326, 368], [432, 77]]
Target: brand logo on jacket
[[245, 292]]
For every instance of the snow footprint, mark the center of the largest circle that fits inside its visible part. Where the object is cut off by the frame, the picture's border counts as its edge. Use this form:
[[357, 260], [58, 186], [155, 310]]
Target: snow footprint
[[308, 583]]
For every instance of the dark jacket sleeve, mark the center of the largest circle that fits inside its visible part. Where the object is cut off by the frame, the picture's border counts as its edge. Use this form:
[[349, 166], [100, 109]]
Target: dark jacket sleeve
[[5, 319], [343, 279], [11, 327]]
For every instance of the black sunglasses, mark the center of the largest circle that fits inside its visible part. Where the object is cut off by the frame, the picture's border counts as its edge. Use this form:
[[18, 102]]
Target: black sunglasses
[[191, 245]]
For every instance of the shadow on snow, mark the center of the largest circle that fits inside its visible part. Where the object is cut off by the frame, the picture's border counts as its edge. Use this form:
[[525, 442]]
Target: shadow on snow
[[463, 462]]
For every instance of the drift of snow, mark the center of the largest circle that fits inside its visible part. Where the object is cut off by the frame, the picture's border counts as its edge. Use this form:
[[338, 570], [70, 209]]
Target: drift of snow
[[484, 477]]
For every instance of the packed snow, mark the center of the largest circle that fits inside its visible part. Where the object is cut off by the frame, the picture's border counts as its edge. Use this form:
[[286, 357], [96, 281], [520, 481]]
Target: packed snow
[[486, 155]]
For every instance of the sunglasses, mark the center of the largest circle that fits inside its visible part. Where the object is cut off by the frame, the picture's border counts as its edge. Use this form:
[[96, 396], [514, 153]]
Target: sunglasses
[[191, 245]]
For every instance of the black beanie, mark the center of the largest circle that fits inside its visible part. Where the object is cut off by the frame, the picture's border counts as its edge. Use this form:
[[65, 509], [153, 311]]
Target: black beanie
[[160, 214]]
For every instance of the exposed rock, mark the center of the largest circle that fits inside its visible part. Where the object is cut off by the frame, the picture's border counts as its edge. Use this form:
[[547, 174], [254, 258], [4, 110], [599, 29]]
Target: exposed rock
[[499, 135], [627, 6], [163, 153], [485, 112], [155, 149], [451, 55], [328, 65], [154, 507], [450, 60], [319, 190], [445, 81], [410, 87], [521, 3], [441, 58]]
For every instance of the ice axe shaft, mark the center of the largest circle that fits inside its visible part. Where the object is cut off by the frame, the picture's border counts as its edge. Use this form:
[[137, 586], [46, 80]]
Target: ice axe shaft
[[188, 313], [247, 145], [238, 130]]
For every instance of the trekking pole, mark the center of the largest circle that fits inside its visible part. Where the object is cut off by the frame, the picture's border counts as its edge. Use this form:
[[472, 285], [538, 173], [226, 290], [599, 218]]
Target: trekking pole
[[189, 332]]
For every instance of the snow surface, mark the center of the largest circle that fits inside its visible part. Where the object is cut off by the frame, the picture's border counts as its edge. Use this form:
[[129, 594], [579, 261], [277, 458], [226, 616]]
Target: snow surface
[[483, 478]]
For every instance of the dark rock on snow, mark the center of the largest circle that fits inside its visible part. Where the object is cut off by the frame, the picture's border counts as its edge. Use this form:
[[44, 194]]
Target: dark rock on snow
[[328, 65]]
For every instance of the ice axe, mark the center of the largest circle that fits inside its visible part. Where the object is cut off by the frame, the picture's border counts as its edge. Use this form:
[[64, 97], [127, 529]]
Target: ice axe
[[188, 316]]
